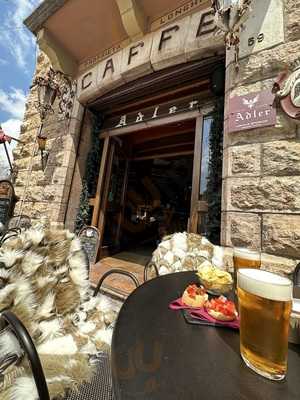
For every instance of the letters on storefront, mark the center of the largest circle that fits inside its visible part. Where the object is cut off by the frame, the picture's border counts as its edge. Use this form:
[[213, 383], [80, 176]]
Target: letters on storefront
[[154, 48], [151, 113]]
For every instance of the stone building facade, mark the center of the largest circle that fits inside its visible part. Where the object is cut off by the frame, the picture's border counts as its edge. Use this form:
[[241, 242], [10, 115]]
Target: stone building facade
[[261, 167]]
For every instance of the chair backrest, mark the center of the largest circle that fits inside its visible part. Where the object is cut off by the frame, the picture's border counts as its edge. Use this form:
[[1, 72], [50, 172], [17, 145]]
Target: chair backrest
[[27, 345], [148, 267], [119, 272], [9, 233], [19, 221], [296, 276]]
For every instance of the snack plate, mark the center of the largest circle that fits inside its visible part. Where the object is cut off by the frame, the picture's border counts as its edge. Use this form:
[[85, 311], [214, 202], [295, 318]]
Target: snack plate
[[190, 320], [194, 321], [218, 292]]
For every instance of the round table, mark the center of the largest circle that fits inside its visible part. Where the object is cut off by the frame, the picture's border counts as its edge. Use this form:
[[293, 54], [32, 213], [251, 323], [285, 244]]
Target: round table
[[157, 355]]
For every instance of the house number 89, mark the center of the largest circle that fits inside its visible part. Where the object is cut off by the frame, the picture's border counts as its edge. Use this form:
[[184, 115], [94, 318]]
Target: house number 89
[[251, 40]]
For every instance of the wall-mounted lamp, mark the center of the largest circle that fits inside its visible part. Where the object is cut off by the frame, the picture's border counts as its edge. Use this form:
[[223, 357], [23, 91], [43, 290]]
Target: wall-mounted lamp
[[54, 85], [42, 140], [230, 16]]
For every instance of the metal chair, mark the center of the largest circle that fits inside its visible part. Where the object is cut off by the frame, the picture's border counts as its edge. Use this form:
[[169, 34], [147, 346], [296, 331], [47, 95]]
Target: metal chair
[[100, 386], [28, 346], [20, 221], [150, 265], [9, 233], [115, 271]]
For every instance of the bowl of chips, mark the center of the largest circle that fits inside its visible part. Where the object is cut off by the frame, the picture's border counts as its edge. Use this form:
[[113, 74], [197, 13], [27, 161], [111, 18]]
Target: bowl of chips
[[215, 280]]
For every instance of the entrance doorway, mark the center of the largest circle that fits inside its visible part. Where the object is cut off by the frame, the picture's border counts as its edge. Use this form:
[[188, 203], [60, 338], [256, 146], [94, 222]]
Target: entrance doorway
[[153, 183], [157, 175]]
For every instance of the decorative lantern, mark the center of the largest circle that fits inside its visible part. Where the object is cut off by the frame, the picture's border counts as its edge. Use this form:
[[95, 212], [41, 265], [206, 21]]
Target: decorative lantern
[[42, 140], [229, 17], [223, 4], [54, 85]]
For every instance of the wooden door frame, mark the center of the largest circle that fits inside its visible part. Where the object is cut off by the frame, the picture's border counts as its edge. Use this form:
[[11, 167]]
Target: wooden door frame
[[194, 214], [105, 192], [100, 201], [100, 183]]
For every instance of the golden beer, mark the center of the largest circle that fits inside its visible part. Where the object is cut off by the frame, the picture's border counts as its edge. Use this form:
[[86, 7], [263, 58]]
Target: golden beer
[[265, 302], [244, 258]]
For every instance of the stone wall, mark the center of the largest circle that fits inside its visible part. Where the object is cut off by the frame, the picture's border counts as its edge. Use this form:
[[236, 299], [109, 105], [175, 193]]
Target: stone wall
[[261, 171], [46, 192]]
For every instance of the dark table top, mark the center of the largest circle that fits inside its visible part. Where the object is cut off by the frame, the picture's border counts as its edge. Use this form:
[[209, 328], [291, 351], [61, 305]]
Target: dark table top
[[157, 355]]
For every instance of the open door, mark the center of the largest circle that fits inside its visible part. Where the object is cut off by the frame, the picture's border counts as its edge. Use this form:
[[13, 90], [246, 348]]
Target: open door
[[111, 192], [194, 218], [199, 205]]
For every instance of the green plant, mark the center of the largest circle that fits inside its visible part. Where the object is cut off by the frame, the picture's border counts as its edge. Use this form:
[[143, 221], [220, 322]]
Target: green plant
[[214, 183], [89, 185]]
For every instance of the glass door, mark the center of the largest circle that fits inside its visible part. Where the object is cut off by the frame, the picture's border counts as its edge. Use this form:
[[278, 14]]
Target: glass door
[[207, 178], [110, 194]]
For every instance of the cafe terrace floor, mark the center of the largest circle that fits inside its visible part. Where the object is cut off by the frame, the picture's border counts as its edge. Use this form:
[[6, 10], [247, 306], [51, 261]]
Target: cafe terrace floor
[[115, 285]]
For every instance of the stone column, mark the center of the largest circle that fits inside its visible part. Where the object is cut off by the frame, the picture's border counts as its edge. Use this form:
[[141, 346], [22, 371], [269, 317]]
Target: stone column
[[261, 170], [46, 192]]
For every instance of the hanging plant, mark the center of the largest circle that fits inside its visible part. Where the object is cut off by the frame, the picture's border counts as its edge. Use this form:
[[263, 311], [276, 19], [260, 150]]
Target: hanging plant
[[214, 182]]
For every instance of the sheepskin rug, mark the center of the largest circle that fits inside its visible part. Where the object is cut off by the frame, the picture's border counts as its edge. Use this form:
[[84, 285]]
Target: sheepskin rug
[[187, 252], [44, 281]]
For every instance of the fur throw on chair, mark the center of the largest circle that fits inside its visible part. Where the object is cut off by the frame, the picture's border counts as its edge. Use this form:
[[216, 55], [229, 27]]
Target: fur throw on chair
[[184, 251], [44, 281]]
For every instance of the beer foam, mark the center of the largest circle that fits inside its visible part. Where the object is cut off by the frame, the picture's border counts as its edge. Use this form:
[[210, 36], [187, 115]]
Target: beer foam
[[245, 253], [265, 284]]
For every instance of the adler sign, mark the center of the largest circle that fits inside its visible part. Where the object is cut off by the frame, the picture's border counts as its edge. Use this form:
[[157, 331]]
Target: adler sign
[[184, 40], [253, 110]]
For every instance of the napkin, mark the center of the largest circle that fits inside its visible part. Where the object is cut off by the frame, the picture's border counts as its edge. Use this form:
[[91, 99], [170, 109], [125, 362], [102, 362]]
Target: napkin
[[201, 314]]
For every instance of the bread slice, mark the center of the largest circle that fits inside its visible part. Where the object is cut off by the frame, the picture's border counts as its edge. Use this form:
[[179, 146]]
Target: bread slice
[[196, 302], [220, 316]]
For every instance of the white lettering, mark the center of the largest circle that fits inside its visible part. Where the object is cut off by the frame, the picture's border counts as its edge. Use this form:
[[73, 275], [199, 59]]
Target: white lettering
[[140, 117], [239, 117], [193, 104], [173, 110], [123, 121], [155, 112]]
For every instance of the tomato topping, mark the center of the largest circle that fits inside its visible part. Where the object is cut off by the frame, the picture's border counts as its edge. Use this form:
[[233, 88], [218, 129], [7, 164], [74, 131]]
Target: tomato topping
[[222, 305], [194, 290]]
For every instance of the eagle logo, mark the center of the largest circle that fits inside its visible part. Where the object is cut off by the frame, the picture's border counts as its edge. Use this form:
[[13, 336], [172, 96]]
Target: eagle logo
[[251, 102]]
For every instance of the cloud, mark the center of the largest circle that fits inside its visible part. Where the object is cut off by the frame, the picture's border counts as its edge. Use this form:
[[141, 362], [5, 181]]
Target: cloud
[[16, 38], [3, 62], [12, 127], [13, 102]]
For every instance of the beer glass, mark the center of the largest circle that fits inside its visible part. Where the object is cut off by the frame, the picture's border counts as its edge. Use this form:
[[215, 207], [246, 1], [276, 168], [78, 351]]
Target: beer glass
[[265, 302], [244, 258]]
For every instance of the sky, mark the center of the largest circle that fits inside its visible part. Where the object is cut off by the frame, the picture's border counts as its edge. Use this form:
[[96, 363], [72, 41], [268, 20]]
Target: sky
[[17, 64]]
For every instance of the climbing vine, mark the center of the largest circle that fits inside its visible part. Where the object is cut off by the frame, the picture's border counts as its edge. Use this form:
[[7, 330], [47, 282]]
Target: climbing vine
[[89, 184], [214, 182]]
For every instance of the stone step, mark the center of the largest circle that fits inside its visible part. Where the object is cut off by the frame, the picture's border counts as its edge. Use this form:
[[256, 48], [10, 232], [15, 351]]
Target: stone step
[[119, 286]]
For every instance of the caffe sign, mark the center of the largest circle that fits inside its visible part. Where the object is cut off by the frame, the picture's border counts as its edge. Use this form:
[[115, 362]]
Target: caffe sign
[[253, 110], [178, 42]]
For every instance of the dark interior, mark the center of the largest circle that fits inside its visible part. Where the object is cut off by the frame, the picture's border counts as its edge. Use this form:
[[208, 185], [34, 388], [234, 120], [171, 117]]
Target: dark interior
[[157, 197]]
